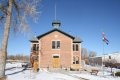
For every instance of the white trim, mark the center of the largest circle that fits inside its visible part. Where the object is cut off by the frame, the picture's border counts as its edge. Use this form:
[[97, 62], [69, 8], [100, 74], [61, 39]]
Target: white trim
[[56, 45], [71, 52], [75, 47], [39, 53], [55, 55], [55, 40], [80, 55], [35, 43]]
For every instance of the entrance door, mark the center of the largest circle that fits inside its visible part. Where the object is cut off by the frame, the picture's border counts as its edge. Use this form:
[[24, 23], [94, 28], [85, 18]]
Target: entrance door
[[56, 61]]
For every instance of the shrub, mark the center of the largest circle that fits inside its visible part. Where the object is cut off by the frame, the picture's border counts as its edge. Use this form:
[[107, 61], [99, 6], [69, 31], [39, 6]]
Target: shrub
[[117, 74]]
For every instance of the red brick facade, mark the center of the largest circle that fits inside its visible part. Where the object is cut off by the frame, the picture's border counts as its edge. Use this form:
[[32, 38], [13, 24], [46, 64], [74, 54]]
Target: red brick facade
[[65, 52]]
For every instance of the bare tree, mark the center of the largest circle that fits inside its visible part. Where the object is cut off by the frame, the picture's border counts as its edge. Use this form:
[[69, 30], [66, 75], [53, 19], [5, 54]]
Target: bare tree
[[14, 12], [92, 59], [21, 57], [110, 63], [85, 55], [92, 54]]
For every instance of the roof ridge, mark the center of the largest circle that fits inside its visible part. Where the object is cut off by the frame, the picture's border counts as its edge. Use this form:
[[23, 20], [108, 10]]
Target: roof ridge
[[55, 29]]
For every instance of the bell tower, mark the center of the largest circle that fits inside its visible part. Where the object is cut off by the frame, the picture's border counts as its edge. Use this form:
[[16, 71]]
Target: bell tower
[[56, 23]]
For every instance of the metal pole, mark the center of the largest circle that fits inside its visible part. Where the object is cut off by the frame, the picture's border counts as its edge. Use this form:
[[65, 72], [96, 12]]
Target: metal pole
[[103, 62]]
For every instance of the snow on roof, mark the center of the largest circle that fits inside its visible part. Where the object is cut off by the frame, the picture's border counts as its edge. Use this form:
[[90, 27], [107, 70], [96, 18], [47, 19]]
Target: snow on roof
[[34, 39], [77, 39]]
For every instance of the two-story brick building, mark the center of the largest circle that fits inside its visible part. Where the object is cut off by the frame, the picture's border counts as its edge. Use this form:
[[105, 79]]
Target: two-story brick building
[[56, 49]]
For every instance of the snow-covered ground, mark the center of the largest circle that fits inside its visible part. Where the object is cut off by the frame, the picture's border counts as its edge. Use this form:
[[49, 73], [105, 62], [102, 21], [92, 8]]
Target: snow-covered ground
[[13, 64], [42, 75], [19, 73], [98, 77]]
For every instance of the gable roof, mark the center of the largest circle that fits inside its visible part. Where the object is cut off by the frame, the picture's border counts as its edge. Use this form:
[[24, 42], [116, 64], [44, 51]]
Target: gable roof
[[77, 40], [34, 39], [40, 36]]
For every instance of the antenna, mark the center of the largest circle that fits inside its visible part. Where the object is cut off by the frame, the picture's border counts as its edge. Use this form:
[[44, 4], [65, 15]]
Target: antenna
[[55, 11], [56, 24]]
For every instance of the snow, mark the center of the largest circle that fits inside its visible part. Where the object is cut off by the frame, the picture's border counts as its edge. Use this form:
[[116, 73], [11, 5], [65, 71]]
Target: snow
[[97, 77], [42, 75], [15, 71], [13, 64]]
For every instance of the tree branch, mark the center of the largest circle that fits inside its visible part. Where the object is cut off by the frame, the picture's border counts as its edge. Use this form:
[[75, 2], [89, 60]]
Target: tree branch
[[1, 17], [3, 9]]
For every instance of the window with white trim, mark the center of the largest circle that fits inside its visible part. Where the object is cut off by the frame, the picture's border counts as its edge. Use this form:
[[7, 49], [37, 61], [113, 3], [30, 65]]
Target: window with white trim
[[55, 44], [35, 47], [75, 47], [75, 60]]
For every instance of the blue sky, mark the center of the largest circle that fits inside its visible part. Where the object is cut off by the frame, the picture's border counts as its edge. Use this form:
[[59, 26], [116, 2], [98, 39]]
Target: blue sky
[[84, 18]]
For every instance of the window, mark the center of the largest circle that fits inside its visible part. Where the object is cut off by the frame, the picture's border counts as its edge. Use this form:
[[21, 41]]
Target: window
[[75, 47], [58, 44], [55, 44], [55, 56], [75, 60], [35, 47]]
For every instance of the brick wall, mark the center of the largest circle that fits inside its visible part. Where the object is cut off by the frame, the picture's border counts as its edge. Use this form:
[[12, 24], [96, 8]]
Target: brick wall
[[47, 51]]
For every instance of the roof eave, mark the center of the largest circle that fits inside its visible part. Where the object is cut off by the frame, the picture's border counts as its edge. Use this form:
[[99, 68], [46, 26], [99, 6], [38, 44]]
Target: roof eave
[[53, 31], [33, 41], [77, 41]]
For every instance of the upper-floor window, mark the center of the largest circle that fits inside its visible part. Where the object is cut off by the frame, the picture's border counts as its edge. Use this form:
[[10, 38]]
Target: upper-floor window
[[55, 44], [58, 44], [35, 47], [75, 47]]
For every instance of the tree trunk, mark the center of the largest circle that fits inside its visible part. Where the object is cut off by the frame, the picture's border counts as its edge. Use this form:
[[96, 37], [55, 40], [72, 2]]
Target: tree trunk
[[3, 54]]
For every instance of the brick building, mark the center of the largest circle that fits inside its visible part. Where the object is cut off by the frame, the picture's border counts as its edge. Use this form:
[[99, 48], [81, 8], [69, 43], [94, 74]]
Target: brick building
[[56, 49]]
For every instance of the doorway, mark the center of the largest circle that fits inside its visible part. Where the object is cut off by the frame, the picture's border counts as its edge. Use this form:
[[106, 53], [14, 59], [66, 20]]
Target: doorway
[[56, 61]]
